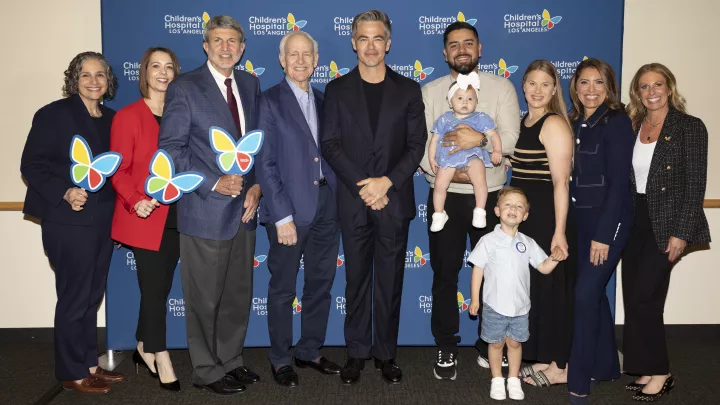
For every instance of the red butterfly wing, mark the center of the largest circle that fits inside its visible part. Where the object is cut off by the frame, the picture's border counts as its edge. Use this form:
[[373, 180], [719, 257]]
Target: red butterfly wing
[[95, 178], [244, 160], [170, 192]]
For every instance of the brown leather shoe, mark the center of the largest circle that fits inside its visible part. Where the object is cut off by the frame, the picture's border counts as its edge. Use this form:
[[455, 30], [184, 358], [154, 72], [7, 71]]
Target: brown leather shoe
[[89, 385], [108, 376]]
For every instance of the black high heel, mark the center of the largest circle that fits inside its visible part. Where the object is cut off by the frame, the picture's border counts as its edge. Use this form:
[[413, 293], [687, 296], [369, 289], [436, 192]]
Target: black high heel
[[171, 386], [633, 386], [140, 362], [669, 384]]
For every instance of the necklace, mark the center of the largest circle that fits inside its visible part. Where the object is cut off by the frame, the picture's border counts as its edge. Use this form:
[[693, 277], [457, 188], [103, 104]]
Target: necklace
[[654, 125]]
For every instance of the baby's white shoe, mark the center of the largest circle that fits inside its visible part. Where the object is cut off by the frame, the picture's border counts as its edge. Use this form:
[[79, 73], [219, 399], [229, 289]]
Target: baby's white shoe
[[478, 218], [438, 221], [515, 389], [497, 388]]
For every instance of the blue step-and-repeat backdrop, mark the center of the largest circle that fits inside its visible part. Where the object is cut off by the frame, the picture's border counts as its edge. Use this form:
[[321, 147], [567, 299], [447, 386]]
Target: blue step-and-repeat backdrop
[[513, 34]]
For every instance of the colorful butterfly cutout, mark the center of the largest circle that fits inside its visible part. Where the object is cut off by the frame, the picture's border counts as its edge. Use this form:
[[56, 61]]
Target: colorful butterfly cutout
[[86, 172], [505, 70], [235, 158], [164, 185], [294, 25], [255, 71], [420, 72], [335, 72], [461, 17], [549, 22], [205, 19], [259, 259], [420, 257], [463, 304]]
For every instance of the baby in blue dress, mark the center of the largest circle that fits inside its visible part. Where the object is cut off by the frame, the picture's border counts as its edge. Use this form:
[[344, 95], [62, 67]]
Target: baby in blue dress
[[445, 160]]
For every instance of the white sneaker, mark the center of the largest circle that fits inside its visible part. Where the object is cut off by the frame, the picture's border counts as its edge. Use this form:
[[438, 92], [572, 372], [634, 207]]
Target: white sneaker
[[438, 221], [478, 218], [515, 389], [497, 388], [483, 361]]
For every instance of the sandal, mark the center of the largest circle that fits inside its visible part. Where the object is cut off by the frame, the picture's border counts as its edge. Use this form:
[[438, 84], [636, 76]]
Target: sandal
[[526, 371], [539, 379]]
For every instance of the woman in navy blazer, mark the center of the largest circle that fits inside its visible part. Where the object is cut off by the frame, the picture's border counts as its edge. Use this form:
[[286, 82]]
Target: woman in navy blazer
[[147, 226], [600, 193], [75, 223]]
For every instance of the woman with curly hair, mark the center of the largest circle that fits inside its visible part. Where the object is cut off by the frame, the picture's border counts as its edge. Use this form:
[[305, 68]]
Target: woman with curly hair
[[75, 224]]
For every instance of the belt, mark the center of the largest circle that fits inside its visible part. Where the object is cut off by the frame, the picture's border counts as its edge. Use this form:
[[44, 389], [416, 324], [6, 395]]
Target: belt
[[322, 182]]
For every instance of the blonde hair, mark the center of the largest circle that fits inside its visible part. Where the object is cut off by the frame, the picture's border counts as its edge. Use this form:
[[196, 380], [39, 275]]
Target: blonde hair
[[511, 190], [636, 110], [612, 99], [557, 103]]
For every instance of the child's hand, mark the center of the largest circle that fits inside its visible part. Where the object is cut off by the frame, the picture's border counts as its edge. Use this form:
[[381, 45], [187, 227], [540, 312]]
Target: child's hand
[[474, 307], [496, 158], [557, 254], [433, 164]]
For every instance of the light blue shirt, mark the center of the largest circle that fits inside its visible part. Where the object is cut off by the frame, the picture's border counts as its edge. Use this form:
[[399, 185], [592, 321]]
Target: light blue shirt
[[306, 100]]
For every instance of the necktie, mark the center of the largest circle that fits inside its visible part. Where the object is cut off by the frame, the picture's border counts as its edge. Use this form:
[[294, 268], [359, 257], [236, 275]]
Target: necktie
[[232, 104]]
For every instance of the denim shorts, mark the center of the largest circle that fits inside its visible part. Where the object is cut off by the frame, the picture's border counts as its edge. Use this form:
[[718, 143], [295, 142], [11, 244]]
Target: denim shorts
[[495, 327]]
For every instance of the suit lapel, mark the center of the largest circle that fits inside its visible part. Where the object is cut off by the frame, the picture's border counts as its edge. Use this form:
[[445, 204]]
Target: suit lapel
[[290, 101], [355, 95], [85, 125], [664, 143], [213, 94]]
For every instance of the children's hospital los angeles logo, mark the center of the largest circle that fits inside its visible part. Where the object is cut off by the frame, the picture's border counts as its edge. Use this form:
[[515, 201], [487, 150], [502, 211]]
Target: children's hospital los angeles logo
[[566, 68], [250, 68], [436, 24], [415, 71], [501, 68], [414, 259], [323, 74], [186, 24], [530, 23], [266, 25]]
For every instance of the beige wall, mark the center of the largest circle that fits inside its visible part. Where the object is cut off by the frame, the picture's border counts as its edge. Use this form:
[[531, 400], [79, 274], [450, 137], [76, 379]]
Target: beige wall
[[655, 30]]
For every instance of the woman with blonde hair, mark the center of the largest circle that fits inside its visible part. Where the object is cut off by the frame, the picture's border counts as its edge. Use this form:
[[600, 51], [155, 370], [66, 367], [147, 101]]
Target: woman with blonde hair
[[668, 179], [541, 167]]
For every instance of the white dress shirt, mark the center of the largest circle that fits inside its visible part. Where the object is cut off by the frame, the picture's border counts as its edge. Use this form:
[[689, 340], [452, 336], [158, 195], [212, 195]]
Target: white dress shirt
[[642, 158], [220, 80]]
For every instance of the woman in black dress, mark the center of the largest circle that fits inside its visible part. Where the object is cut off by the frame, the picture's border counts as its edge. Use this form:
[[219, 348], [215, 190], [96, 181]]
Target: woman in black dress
[[541, 167]]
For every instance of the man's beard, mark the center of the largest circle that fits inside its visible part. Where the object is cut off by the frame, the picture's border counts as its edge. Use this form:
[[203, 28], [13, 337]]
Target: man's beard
[[464, 68]]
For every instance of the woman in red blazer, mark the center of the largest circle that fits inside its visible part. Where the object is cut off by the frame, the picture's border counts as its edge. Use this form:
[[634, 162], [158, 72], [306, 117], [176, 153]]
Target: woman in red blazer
[[145, 225]]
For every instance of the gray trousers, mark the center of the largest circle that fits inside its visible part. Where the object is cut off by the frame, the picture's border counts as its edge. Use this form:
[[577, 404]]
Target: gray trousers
[[217, 287]]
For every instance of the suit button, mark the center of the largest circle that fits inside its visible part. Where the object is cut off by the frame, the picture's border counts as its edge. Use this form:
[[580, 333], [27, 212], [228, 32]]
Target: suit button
[[577, 141], [315, 182], [662, 189], [668, 168], [316, 159]]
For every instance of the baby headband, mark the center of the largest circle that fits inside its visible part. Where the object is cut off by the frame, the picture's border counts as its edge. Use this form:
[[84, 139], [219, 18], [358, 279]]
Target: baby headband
[[463, 82]]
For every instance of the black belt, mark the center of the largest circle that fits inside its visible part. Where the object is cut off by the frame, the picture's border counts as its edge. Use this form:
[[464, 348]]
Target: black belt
[[322, 182]]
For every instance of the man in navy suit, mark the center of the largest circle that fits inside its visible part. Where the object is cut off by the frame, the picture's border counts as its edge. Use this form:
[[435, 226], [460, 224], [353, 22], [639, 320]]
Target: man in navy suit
[[216, 222], [299, 211]]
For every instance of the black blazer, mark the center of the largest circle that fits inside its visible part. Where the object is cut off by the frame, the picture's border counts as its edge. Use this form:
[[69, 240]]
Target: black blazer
[[355, 153], [676, 182], [45, 162]]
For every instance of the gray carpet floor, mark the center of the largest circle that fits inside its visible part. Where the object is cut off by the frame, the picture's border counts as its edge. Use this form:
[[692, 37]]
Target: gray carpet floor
[[26, 374]]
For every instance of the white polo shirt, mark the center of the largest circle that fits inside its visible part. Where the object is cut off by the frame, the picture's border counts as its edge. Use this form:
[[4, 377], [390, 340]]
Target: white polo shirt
[[505, 261]]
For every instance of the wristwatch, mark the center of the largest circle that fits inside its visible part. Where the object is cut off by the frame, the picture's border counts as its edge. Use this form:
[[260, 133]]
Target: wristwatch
[[484, 142]]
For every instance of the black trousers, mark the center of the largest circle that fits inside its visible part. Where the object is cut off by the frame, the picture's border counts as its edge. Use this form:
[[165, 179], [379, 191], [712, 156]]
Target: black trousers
[[80, 256], [447, 250], [155, 270], [318, 245], [646, 278], [375, 267]]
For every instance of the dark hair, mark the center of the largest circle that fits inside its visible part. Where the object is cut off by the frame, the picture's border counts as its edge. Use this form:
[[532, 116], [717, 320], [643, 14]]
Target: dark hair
[[612, 98], [145, 62], [459, 25], [511, 190], [72, 75], [370, 16]]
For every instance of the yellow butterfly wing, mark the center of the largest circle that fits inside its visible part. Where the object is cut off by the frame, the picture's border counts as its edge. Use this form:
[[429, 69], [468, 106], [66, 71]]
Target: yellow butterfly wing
[[248, 66], [417, 251], [222, 141], [161, 167], [502, 64], [460, 297], [461, 16], [585, 58], [206, 16], [291, 18], [80, 153], [418, 65], [546, 15], [333, 66]]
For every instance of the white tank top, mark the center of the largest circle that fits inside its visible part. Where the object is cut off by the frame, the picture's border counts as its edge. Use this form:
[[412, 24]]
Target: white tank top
[[642, 157]]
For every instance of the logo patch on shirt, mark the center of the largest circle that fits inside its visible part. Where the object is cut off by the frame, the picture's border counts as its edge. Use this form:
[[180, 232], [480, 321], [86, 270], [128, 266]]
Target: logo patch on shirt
[[520, 247]]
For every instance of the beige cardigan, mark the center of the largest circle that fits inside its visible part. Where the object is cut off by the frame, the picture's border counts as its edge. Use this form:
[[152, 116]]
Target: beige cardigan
[[498, 99]]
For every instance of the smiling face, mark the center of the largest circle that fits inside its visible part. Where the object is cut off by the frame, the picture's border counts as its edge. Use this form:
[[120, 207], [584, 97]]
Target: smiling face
[[370, 43], [160, 71], [539, 89], [591, 90], [299, 59], [92, 81], [512, 209], [463, 102], [653, 91], [462, 51], [224, 49]]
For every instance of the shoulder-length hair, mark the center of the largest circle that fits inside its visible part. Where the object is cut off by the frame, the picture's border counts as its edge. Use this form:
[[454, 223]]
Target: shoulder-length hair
[[145, 63], [557, 103], [636, 109], [72, 75], [612, 97]]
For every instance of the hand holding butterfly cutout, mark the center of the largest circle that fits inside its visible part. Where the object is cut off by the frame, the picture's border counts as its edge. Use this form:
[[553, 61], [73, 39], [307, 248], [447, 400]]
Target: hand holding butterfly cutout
[[164, 186], [90, 173]]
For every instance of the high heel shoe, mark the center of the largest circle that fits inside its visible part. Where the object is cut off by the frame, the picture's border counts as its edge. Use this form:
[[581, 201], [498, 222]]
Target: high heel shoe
[[669, 384], [633, 386], [140, 362], [171, 386]]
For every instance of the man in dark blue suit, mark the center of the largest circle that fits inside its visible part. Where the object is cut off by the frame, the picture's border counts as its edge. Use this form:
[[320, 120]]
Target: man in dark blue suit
[[299, 211], [216, 249]]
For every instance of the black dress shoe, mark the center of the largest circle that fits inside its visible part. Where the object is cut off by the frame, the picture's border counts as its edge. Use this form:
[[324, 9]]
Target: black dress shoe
[[643, 397], [285, 376], [391, 372], [633, 386], [140, 362], [350, 374], [323, 366], [171, 386], [224, 386], [244, 375]]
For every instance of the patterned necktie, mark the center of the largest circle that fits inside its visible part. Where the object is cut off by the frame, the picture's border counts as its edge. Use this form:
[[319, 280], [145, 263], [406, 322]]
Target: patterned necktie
[[232, 104]]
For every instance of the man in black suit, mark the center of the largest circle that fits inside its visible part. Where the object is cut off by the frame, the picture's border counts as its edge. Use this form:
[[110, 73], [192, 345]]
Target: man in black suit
[[374, 138]]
